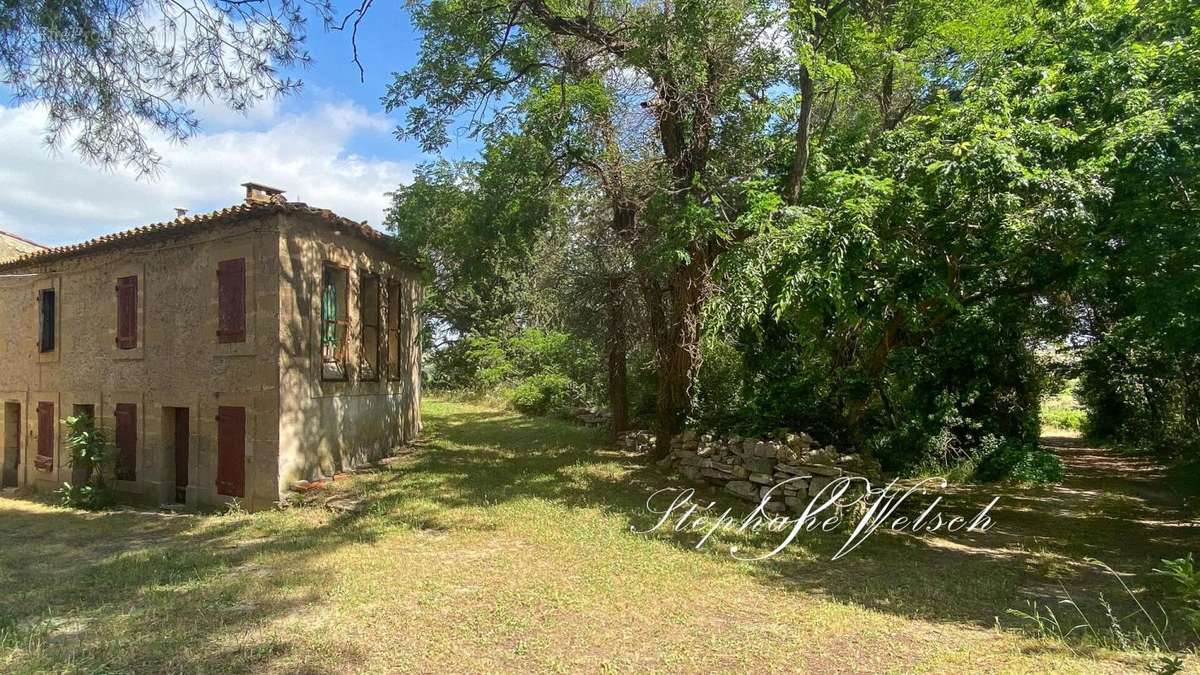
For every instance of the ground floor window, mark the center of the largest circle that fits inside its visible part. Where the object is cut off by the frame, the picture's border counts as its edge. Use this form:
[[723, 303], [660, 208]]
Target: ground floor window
[[369, 315], [394, 309], [126, 441], [335, 321]]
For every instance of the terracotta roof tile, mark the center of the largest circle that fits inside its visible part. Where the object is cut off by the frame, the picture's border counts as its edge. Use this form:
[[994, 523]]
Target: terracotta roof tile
[[188, 224]]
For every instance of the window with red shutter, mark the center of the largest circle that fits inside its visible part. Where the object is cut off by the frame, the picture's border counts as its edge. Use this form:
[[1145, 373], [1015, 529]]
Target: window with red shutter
[[44, 461], [231, 451], [126, 439], [127, 328], [368, 312], [231, 301], [393, 329]]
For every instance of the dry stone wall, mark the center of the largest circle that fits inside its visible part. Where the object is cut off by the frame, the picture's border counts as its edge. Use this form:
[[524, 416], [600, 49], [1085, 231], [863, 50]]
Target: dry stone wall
[[748, 468]]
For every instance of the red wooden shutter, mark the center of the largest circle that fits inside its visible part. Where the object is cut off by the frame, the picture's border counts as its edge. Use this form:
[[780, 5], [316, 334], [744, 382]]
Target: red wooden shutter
[[231, 451], [231, 300], [393, 329], [127, 290], [45, 437], [126, 414]]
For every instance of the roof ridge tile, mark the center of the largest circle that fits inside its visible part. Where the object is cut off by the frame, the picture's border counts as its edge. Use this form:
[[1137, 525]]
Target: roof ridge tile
[[181, 223]]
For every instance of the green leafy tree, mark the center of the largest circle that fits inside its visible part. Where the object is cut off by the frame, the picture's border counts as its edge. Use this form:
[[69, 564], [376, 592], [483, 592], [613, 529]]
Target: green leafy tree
[[111, 71], [476, 225], [684, 89], [1130, 72]]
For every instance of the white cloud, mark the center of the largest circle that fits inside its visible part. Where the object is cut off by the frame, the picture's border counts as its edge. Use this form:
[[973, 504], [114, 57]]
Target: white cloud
[[53, 198], [214, 115]]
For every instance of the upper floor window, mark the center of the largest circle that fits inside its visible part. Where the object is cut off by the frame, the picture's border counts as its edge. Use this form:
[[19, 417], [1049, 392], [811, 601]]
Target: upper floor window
[[231, 301], [127, 323], [46, 318], [369, 315], [393, 329], [335, 321]]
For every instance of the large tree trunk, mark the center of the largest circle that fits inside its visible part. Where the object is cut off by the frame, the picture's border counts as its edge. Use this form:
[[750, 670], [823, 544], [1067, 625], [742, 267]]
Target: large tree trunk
[[675, 324], [618, 346], [795, 181], [624, 216]]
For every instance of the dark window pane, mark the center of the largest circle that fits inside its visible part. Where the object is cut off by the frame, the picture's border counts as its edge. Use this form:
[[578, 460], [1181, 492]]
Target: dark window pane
[[46, 335]]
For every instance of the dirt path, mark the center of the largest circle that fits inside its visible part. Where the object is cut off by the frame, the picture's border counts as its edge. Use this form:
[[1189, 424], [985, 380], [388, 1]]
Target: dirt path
[[1111, 508], [1116, 509], [1103, 471]]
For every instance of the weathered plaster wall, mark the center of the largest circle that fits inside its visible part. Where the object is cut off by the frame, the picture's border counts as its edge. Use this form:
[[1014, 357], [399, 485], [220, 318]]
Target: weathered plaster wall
[[178, 361], [327, 426]]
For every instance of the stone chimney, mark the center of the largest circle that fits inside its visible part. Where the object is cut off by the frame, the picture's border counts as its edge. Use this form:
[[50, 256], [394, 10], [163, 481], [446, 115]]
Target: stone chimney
[[257, 193]]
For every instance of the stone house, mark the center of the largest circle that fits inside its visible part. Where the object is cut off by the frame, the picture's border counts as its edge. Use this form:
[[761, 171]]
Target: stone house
[[12, 246], [227, 355]]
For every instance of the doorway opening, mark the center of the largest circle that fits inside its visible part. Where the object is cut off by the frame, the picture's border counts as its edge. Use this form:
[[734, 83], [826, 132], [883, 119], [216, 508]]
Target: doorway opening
[[176, 441], [12, 445]]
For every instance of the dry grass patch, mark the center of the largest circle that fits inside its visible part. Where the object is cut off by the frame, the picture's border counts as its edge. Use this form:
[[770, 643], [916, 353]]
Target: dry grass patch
[[504, 544]]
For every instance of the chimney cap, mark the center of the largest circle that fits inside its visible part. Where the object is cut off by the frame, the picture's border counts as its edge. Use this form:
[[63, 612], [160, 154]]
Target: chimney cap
[[257, 192], [180, 212]]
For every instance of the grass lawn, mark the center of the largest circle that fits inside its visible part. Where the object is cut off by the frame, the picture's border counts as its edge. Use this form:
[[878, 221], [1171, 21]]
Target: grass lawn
[[504, 543], [1062, 413]]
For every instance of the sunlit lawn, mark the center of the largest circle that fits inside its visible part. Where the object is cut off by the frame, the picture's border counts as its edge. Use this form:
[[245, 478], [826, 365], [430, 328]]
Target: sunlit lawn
[[504, 543]]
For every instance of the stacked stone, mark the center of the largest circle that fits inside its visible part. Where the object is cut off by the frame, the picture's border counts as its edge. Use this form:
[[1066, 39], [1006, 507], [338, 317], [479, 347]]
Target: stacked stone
[[592, 417], [749, 468], [638, 441]]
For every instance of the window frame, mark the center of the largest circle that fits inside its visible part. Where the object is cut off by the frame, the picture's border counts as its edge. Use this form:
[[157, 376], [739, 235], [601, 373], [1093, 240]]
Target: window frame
[[370, 372], [130, 341], [47, 326], [341, 323], [395, 313], [235, 334]]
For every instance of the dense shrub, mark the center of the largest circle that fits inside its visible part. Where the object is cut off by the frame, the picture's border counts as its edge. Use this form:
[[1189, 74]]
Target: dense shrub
[[92, 458], [1139, 394], [718, 394], [1062, 410], [545, 394], [1065, 418], [476, 363], [1010, 460], [536, 371], [927, 406], [1184, 578], [87, 497]]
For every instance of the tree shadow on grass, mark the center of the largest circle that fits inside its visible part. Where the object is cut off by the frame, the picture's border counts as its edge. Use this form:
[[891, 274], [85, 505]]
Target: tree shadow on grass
[[1037, 548], [192, 594], [144, 592]]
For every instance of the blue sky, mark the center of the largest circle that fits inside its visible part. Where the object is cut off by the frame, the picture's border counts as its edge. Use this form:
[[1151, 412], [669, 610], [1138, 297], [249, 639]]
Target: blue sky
[[330, 145], [387, 43]]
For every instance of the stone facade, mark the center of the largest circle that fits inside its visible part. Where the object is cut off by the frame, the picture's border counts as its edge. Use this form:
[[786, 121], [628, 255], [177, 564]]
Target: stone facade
[[188, 399], [12, 246], [748, 468]]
